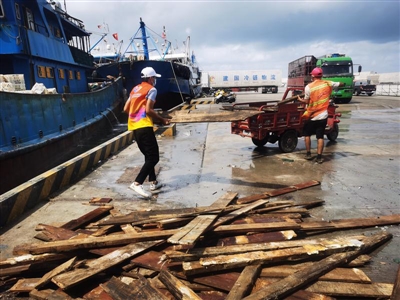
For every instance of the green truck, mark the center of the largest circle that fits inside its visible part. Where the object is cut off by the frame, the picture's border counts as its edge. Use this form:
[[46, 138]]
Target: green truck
[[336, 67]]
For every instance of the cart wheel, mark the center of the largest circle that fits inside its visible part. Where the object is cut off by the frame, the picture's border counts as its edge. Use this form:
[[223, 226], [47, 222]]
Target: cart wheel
[[260, 143], [288, 141], [333, 134]]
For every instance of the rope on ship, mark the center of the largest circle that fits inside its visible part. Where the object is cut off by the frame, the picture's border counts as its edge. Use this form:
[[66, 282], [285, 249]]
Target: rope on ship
[[177, 83]]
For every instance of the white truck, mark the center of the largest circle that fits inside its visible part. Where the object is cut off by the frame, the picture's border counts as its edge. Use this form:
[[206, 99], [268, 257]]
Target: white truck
[[263, 81]]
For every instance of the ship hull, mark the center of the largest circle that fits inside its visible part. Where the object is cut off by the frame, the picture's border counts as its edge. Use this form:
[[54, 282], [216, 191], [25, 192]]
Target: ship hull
[[38, 132], [173, 87]]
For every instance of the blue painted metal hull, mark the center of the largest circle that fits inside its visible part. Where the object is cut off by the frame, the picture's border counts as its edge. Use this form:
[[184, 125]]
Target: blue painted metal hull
[[38, 132], [172, 87], [46, 45]]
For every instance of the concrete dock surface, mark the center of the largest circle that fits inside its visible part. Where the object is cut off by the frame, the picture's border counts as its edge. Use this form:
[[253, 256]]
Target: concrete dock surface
[[359, 176]]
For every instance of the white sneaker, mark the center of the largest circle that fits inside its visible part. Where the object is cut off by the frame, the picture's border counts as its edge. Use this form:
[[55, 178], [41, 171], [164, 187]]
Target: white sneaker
[[155, 185], [140, 190]]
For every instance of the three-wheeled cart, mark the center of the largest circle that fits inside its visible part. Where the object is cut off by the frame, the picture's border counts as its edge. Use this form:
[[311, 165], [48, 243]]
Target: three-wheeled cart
[[280, 121]]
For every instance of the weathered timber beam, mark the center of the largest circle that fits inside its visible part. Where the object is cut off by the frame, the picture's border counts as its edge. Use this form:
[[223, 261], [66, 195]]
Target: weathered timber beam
[[176, 287], [234, 214], [375, 290], [351, 223], [141, 289], [71, 278], [197, 253], [244, 283], [228, 262], [256, 227], [87, 218], [92, 242], [307, 275], [206, 117], [142, 217]]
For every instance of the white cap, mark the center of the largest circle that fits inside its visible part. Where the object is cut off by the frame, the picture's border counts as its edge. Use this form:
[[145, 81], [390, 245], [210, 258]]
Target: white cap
[[149, 72]]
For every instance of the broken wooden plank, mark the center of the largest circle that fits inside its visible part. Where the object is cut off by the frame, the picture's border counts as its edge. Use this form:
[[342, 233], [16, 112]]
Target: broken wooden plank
[[152, 260], [305, 276], [71, 278], [212, 295], [12, 271], [92, 242], [140, 290], [24, 285], [352, 223], [190, 233], [257, 238], [338, 274], [97, 200], [49, 294], [197, 253], [307, 184], [127, 228], [298, 295], [53, 233], [345, 289], [226, 262], [224, 200], [176, 287], [251, 198], [32, 259], [173, 223], [141, 217], [98, 293], [244, 283], [234, 214], [256, 227], [206, 117], [267, 209], [306, 250], [58, 270], [87, 218], [281, 191]]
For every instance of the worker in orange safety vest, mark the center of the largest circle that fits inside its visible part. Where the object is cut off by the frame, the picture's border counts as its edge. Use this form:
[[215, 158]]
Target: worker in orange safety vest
[[317, 97]]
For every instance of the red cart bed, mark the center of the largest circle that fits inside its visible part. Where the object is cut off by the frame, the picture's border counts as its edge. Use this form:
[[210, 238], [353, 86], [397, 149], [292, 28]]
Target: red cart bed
[[279, 122]]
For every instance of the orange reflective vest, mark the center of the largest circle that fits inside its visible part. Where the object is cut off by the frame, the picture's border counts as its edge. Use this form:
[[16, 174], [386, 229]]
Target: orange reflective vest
[[320, 92], [137, 117]]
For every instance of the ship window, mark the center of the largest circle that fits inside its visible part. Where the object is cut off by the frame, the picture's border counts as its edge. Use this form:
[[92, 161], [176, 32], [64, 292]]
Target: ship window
[[70, 74], [78, 75], [1, 9], [29, 18], [61, 73], [57, 32], [41, 71], [17, 13], [49, 72]]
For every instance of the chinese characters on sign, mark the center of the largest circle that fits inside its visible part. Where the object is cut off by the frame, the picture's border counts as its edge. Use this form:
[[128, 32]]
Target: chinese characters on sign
[[255, 77]]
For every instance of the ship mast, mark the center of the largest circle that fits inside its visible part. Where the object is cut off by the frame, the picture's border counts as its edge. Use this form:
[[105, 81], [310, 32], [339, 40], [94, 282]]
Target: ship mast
[[144, 40]]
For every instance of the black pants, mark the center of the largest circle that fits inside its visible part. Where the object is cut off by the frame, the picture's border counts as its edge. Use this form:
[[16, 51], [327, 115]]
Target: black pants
[[147, 143]]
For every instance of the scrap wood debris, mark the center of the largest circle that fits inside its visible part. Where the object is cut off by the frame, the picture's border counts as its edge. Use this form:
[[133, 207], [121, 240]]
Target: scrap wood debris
[[254, 247]]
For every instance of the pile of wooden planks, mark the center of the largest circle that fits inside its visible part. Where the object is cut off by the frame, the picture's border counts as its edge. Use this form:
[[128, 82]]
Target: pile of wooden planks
[[255, 247]]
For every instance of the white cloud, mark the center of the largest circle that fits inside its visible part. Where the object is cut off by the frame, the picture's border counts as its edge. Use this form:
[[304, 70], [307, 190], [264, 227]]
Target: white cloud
[[228, 35]]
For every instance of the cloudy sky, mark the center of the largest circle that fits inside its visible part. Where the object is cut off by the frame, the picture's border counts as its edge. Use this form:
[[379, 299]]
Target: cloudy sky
[[254, 35]]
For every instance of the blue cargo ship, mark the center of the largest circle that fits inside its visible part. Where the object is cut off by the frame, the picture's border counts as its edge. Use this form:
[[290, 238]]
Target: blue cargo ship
[[180, 75], [48, 104]]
